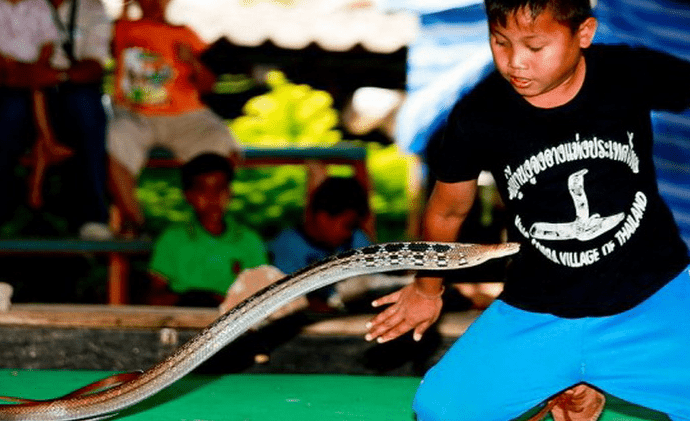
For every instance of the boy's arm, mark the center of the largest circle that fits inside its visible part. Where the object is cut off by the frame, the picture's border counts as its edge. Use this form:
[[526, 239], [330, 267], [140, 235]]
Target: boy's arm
[[159, 294], [201, 76], [35, 75], [86, 71], [163, 268], [418, 305]]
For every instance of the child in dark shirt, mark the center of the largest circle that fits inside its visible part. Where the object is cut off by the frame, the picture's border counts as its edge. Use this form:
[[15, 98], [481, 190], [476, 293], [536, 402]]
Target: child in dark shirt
[[334, 215], [599, 292]]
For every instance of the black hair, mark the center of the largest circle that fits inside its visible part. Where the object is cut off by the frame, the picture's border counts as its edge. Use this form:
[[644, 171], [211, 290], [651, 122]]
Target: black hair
[[204, 164], [336, 195], [569, 12]]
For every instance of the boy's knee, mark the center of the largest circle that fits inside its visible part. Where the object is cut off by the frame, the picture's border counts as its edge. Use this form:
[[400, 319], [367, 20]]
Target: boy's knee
[[424, 408], [438, 400], [431, 403]]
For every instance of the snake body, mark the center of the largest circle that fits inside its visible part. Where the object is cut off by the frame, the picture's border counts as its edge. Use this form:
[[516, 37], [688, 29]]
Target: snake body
[[362, 261]]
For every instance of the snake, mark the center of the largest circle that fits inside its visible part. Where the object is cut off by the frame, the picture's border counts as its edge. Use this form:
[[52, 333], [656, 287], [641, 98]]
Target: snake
[[109, 396]]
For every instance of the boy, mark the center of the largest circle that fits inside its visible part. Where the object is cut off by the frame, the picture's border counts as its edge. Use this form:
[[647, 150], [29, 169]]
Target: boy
[[600, 290], [337, 209], [158, 81], [193, 264]]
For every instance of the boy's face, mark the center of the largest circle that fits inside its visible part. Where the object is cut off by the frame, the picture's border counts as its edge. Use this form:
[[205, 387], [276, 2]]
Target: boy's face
[[541, 58], [336, 230], [209, 196]]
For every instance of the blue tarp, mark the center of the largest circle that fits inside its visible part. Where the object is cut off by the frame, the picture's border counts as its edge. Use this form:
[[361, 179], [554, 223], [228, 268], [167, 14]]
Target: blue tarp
[[452, 54]]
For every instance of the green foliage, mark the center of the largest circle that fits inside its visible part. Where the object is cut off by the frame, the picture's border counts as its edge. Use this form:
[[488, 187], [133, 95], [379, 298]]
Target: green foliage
[[288, 115]]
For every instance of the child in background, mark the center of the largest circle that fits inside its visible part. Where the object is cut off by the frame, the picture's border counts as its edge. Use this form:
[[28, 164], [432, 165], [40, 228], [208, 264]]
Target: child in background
[[158, 82], [334, 215], [194, 264]]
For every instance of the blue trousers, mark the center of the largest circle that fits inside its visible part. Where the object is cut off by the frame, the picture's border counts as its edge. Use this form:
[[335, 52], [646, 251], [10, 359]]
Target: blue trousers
[[511, 360], [79, 120]]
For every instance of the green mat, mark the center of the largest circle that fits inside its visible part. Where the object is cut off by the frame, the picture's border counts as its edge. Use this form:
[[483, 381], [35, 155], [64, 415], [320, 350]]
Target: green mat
[[265, 397]]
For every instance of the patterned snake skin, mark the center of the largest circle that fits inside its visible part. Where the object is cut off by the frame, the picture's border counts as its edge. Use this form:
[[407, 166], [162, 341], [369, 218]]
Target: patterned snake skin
[[373, 259]]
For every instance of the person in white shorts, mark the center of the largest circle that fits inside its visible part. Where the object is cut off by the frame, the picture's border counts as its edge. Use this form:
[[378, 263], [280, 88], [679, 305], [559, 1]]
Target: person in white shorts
[[158, 81]]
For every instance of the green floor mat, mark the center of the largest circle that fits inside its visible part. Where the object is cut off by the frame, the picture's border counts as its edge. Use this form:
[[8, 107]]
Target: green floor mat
[[266, 397]]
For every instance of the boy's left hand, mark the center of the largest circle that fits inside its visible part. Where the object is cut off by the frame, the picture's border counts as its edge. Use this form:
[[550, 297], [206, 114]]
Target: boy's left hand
[[409, 310]]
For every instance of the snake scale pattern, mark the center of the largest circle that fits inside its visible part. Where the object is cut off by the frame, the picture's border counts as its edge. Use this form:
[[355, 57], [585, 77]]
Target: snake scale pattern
[[367, 260]]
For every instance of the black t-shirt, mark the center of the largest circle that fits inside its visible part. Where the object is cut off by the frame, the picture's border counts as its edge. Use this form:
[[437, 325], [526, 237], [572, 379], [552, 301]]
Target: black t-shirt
[[578, 182]]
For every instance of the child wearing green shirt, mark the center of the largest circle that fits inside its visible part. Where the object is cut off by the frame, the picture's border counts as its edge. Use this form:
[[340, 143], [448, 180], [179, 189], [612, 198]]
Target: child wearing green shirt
[[195, 263]]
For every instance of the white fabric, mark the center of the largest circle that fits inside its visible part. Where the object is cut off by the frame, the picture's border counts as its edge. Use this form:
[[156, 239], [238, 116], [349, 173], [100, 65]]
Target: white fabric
[[252, 280], [93, 32], [24, 28]]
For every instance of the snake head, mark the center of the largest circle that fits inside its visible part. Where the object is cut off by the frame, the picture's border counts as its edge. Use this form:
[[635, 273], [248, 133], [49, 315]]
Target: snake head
[[476, 254]]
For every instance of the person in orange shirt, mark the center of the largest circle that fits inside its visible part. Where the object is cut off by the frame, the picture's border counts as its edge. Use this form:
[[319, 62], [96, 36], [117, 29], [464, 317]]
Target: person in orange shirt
[[158, 82]]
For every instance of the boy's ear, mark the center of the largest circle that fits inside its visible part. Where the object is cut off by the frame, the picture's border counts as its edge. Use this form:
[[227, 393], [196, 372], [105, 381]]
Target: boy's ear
[[586, 32]]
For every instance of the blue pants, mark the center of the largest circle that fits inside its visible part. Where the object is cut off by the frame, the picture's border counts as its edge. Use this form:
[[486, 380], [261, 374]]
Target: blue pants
[[15, 121], [511, 360], [79, 120]]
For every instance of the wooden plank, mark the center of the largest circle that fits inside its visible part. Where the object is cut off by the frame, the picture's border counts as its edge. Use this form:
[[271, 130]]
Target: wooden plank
[[158, 317], [107, 317]]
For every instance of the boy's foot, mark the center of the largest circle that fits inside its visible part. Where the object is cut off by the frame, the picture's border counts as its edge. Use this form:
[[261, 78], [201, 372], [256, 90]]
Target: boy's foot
[[579, 403]]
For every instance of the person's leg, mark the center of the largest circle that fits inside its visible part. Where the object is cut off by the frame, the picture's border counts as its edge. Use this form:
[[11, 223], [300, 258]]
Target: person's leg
[[16, 122], [129, 140], [85, 123], [508, 362], [190, 134], [123, 186], [641, 355]]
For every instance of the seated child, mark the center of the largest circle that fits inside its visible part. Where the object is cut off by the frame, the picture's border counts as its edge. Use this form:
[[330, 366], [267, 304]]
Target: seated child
[[333, 218], [195, 263], [158, 82]]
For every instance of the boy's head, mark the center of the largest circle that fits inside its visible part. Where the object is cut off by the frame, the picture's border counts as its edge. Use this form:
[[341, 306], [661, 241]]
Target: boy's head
[[153, 9], [337, 208], [571, 13], [206, 185], [537, 46]]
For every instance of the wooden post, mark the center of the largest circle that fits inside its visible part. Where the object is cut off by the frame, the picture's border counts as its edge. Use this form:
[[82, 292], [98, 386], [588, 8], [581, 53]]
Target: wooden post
[[118, 268]]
